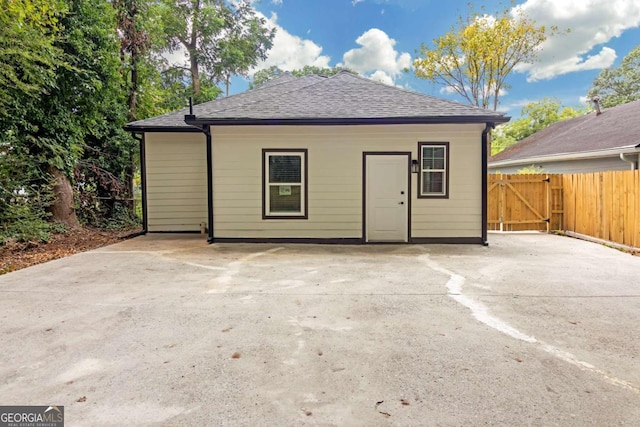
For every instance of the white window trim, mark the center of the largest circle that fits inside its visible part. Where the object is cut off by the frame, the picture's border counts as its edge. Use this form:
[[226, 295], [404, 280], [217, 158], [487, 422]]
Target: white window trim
[[444, 192], [302, 184]]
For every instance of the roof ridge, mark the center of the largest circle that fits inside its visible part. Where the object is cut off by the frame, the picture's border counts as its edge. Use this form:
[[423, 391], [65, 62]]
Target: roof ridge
[[412, 92], [272, 82]]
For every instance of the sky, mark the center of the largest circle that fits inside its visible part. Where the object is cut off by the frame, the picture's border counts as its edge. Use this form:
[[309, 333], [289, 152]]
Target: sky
[[379, 39]]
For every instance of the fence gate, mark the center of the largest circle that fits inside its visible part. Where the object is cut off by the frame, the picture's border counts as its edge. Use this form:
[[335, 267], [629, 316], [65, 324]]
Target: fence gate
[[524, 202]]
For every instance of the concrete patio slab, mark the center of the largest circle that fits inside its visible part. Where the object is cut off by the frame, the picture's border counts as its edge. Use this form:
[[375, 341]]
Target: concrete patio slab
[[166, 330]]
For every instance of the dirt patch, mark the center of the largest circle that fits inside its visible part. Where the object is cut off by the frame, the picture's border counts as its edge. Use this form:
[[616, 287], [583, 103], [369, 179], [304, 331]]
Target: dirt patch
[[15, 256]]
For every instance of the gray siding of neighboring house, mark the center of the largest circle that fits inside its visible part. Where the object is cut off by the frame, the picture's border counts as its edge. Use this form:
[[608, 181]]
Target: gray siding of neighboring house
[[569, 166]]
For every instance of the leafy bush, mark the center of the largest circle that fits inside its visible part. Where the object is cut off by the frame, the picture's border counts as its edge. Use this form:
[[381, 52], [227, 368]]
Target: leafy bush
[[531, 169], [23, 219], [121, 217]]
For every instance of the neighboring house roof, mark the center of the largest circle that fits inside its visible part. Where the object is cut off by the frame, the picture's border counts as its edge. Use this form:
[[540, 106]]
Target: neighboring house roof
[[615, 130], [343, 98]]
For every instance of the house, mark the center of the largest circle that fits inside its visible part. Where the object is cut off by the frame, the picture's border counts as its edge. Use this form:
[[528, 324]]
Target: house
[[342, 159], [590, 143]]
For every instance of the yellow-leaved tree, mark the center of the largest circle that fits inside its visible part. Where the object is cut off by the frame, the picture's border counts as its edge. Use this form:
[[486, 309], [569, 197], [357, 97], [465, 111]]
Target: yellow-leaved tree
[[474, 58]]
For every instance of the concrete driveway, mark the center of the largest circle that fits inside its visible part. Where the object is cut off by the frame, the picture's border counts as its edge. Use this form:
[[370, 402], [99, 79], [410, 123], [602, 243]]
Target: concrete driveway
[[166, 330]]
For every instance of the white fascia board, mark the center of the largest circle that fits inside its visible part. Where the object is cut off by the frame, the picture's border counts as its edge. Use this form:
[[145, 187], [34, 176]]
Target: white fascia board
[[610, 152]]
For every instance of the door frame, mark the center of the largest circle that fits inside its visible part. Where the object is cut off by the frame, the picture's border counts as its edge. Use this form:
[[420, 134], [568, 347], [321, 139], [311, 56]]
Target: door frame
[[407, 154]]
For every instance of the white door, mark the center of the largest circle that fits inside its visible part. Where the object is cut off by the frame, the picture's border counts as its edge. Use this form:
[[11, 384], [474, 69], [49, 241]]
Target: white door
[[387, 198]]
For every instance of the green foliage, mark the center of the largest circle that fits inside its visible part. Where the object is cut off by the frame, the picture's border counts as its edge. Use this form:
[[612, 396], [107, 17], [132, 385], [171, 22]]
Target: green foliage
[[531, 169], [616, 86], [535, 116], [24, 220], [73, 72], [28, 55], [220, 39], [321, 71], [79, 119], [23, 201], [176, 90], [266, 74], [475, 58], [120, 216]]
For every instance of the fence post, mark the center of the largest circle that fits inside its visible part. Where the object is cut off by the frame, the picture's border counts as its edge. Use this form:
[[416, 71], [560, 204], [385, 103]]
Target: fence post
[[548, 195]]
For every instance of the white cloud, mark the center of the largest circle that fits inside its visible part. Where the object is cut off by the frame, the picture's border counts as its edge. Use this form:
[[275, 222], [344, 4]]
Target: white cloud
[[276, 2], [377, 57], [591, 23], [447, 90], [382, 77], [290, 52]]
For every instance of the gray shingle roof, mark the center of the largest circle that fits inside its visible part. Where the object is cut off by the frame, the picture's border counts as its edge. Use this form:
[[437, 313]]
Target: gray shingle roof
[[616, 127], [344, 97]]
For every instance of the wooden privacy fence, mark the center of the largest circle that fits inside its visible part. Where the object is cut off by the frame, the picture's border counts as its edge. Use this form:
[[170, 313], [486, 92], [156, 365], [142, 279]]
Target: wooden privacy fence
[[524, 202], [604, 205]]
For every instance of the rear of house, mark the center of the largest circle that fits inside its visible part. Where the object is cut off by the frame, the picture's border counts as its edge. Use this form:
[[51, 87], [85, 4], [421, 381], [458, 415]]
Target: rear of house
[[291, 162]]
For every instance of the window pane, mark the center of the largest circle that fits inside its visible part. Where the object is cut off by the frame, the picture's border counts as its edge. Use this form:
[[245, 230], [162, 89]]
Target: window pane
[[433, 157], [285, 168], [433, 182], [285, 198]]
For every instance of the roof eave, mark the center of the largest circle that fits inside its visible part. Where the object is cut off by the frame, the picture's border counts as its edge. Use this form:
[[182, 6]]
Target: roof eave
[[247, 121], [143, 129], [610, 152]]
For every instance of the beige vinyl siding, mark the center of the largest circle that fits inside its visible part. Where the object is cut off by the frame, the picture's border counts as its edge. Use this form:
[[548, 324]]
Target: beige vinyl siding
[[176, 181], [335, 179]]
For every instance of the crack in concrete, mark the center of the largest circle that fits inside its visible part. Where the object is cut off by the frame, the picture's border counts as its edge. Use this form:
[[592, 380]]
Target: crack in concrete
[[233, 268], [481, 313]]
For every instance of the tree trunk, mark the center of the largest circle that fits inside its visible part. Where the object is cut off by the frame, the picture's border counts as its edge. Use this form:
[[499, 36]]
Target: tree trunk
[[135, 59], [195, 74], [62, 209], [133, 89]]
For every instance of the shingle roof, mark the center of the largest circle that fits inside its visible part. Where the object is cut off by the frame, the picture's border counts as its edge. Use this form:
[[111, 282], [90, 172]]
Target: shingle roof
[[616, 127], [344, 97]]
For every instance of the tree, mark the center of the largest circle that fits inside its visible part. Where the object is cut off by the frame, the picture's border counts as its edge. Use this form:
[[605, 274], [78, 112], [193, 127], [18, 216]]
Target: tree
[[615, 86], [535, 116], [220, 39], [266, 74], [134, 43], [475, 58], [28, 54], [79, 123], [247, 40], [29, 58]]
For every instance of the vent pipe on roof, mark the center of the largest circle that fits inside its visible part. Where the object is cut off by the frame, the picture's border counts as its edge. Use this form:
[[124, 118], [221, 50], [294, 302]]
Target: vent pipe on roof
[[596, 104]]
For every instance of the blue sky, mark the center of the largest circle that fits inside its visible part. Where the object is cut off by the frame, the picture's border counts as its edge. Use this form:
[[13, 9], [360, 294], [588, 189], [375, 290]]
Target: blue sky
[[378, 38]]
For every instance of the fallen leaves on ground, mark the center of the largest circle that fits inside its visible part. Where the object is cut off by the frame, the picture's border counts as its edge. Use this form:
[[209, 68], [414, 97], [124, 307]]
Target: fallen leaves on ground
[[18, 255]]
